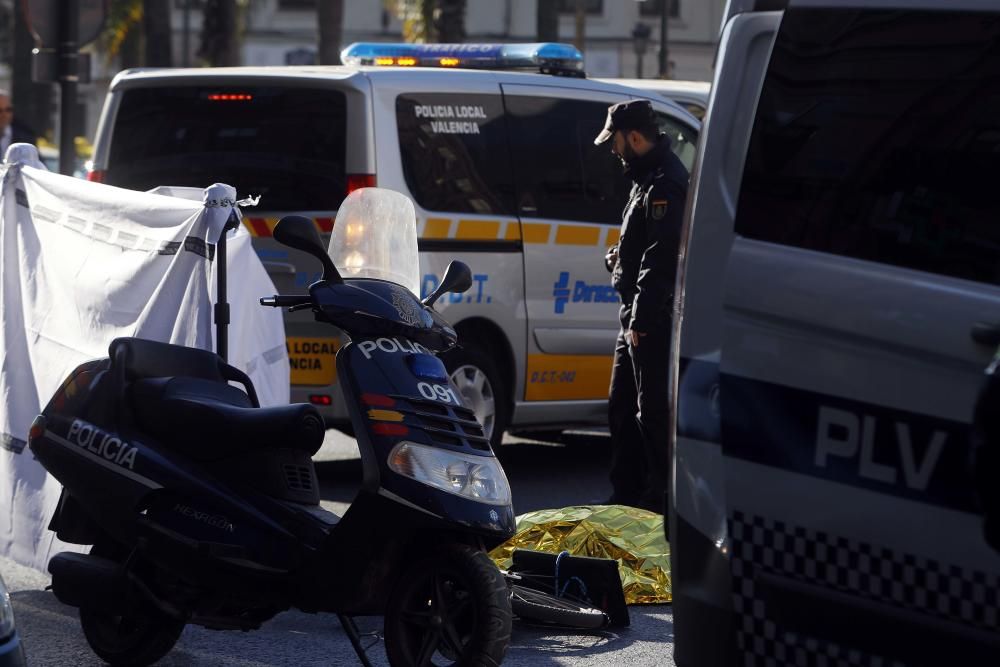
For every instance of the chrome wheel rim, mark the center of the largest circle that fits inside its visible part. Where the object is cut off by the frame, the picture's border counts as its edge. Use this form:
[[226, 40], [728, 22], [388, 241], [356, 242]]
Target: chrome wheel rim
[[477, 394]]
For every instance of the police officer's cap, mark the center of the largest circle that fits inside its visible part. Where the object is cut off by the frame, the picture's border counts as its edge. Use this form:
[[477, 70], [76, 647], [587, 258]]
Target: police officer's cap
[[625, 116]]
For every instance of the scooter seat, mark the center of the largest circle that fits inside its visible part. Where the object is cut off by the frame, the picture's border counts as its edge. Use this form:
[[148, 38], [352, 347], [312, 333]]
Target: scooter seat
[[210, 420]]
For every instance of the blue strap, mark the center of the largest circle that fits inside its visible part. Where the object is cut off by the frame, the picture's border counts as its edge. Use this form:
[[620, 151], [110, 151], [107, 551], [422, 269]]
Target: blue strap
[[561, 592], [558, 560]]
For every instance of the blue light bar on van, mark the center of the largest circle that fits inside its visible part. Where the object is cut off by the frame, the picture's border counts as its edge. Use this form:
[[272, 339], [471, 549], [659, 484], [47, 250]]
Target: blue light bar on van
[[546, 57]]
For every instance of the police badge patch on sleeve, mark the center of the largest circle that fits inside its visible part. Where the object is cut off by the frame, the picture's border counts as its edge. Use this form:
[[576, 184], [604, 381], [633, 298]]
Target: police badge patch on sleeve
[[658, 208]]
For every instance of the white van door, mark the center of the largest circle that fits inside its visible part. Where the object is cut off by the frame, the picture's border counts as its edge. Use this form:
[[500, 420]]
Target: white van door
[[867, 252], [570, 196], [442, 140]]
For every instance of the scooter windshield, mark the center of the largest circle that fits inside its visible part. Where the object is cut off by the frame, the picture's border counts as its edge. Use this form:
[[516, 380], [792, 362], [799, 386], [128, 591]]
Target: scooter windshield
[[375, 236]]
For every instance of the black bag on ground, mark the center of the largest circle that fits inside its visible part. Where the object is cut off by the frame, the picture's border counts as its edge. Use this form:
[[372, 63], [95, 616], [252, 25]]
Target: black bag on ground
[[581, 578]]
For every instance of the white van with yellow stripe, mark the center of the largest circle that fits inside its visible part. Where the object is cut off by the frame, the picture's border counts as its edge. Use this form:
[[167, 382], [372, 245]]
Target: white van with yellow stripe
[[500, 165]]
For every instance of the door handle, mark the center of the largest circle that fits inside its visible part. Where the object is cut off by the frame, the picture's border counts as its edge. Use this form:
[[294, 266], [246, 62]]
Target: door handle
[[279, 267], [986, 333]]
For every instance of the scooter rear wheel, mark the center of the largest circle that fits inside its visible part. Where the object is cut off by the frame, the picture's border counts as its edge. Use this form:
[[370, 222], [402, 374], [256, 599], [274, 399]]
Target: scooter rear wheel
[[450, 609], [140, 636]]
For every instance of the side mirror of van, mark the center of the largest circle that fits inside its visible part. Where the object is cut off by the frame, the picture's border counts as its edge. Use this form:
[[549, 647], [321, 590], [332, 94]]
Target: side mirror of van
[[457, 278], [299, 232]]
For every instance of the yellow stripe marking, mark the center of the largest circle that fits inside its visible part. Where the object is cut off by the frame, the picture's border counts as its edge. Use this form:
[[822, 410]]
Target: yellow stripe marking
[[567, 377], [535, 232], [613, 236], [385, 415], [578, 235], [486, 230], [513, 231], [437, 228]]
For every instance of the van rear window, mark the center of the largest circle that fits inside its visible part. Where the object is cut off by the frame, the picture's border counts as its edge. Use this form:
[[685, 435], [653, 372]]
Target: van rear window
[[285, 144]]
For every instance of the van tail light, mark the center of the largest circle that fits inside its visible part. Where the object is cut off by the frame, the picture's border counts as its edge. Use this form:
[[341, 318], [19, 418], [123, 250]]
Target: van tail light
[[96, 175], [358, 181], [320, 399]]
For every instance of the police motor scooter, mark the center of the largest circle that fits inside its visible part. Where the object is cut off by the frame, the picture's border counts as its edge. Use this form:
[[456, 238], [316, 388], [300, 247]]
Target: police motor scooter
[[203, 508]]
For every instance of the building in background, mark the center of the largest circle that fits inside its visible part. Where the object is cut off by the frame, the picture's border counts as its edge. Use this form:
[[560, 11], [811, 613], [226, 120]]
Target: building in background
[[284, 32]]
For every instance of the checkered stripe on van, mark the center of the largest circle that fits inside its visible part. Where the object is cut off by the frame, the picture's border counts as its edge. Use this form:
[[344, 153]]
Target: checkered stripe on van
[[847, 566]]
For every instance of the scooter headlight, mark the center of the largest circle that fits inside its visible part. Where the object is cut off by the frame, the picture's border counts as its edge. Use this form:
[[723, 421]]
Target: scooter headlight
[[476, 477]]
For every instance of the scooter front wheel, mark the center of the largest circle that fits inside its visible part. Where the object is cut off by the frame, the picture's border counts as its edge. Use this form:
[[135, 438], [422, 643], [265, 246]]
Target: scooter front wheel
[[450, 609]]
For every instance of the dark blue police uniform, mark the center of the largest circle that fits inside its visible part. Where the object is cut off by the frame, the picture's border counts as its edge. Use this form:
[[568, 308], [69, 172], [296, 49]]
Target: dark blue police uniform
[[645, 275]]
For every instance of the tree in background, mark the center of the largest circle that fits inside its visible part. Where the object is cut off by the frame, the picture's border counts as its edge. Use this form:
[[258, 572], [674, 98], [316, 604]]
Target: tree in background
[[330, 16], [220, 44], [137, 32], [122, 36], [547, 16], [156, 29], [449, 21], [32, 101], [6, 33], [432, 21]]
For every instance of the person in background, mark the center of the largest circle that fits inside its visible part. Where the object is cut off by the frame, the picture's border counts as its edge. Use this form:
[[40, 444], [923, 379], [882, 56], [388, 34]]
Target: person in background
[[11, 132], [643, 265]]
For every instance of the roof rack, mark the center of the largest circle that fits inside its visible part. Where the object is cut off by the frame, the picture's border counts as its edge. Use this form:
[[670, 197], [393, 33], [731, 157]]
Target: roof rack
[[544, 57]]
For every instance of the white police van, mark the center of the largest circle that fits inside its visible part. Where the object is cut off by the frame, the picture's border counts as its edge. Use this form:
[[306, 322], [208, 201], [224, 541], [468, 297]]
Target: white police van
[[692, 95], [841, 298], [500, 165]]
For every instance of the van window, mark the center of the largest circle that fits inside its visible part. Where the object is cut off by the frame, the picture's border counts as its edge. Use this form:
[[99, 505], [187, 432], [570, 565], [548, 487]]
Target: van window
[[877, 136], [560, 173], [683, 139], [285, 144], [696, 110], [454, 152]]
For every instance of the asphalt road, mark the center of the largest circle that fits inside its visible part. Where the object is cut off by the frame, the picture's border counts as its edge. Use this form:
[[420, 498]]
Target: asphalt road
[[543, 474]]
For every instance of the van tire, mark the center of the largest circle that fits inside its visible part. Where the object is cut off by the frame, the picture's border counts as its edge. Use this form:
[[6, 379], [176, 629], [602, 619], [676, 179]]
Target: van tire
[[480, 386]]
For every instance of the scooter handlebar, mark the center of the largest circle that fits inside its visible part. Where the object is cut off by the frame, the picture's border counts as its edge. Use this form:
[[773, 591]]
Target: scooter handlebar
[[286, 300]]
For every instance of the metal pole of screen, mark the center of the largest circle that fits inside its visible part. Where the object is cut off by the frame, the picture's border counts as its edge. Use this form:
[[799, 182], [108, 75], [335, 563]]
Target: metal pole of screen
[[665, 7], [69, 19], [221, 304]]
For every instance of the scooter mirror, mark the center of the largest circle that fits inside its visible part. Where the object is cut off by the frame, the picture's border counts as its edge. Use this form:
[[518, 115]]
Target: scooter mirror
[[457, 278], [299, 232]]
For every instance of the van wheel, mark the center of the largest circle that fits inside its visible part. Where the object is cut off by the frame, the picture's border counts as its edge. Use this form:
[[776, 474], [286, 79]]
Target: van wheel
[[479, 384]]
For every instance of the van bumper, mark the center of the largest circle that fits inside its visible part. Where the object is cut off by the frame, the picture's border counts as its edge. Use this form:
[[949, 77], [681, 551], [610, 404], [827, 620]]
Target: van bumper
[[704, 621]]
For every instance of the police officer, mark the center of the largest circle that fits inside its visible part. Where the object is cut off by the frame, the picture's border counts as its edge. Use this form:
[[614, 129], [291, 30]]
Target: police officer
[[643, 265]]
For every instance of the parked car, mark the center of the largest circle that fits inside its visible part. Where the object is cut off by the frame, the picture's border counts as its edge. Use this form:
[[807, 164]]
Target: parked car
[[11, 649]]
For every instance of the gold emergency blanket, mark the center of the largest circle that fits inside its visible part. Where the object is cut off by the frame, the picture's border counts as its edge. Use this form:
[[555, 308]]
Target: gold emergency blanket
[[629, 535]]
